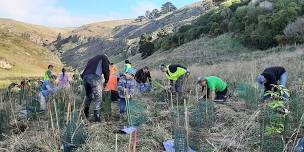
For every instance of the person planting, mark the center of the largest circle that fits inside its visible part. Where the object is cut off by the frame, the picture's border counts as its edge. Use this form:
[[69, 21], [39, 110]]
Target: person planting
[[271, 76], [143, 79], [96, 67], [214, 87], [176, 74]]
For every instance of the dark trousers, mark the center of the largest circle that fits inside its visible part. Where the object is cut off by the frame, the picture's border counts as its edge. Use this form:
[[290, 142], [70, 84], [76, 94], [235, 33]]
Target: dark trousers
[[221, 95], [93, 88]]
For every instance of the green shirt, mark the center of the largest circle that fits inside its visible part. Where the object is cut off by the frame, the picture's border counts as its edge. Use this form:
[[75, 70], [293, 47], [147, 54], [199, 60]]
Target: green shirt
[[47, 75], [216, 84]]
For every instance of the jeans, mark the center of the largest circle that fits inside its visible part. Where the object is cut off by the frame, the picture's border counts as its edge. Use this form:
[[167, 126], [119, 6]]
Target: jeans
[[283, 81], [179, 84], [144, 87], [93, 88], [122, 105]]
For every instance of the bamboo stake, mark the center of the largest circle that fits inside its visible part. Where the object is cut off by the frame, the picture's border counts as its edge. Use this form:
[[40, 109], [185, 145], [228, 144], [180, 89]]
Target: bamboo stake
[[128, 108], [130, 142], [177, 98], [81, 109], [135, 140], [186, 124], [68, 113], [52, 123], [56, 115], [116, 146]]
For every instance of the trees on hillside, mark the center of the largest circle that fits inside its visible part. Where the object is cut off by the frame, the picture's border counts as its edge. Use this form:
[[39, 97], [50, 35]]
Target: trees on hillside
[[145, 46], [155, 13], [167, 7], [255, 26]]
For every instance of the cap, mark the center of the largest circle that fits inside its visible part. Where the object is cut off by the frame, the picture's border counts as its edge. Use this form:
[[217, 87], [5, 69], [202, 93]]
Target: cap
[[132, 71], [261, 79]]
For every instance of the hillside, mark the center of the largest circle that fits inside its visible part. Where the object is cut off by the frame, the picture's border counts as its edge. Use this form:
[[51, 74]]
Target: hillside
[[21, 58], [119, 38], [36, 33], [100, 29]]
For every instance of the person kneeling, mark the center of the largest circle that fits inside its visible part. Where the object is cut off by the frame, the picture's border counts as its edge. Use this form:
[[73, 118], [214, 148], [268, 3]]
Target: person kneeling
[[215, 86], [47, 89]]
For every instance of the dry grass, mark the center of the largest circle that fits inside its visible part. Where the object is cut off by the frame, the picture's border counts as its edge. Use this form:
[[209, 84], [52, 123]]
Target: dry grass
[[38, 31], [103, 29], [27, 58]]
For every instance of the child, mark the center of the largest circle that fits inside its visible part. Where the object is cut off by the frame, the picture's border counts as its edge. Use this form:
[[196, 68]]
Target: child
[[46, 91], [63, 80], [126, 87]]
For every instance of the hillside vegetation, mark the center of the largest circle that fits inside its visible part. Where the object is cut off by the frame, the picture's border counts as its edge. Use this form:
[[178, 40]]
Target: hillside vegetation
[[21, 58], [256, 24]]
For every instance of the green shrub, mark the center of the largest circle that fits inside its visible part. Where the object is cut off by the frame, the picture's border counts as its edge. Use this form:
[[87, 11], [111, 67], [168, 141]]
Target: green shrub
[[254, 26], [295, 31]]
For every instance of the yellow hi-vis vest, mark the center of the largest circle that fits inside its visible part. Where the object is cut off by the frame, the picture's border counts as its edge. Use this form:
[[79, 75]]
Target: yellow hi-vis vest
[[177, 74], [127, 67]]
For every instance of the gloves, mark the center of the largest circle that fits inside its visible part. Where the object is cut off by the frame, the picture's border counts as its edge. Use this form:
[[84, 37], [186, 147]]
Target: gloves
[[188, 73]]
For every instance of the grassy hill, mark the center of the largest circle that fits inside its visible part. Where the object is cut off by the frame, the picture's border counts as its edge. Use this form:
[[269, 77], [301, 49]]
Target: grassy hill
[[102, 29], [21, 58], [36, 33]]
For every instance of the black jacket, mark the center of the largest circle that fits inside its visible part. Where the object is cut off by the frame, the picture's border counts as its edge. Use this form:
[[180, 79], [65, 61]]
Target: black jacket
[[98, 65], [272, 76], [142, 77]]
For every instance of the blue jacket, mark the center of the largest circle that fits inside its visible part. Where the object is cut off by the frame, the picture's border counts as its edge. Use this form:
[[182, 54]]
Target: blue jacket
[[47, 89], [125, 84]]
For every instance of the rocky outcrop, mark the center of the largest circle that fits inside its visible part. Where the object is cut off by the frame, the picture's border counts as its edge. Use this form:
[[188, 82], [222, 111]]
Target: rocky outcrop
[[5, 65], [266, 5]]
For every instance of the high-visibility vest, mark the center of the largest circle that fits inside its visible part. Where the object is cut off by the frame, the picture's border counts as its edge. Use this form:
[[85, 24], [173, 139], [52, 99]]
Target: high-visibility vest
[[112, 83], [177, 74], [127, 67], [113, 70]]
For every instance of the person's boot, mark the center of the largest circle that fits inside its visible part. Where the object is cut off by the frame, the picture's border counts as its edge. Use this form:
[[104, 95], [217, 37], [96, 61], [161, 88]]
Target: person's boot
[[86, 112], [97, 116]]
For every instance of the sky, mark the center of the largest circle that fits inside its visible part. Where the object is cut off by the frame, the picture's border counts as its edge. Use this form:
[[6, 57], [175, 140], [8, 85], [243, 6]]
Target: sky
[[74, 13]]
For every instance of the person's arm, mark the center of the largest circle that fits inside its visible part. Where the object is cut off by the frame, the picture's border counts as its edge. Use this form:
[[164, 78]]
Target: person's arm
[[213, 95], [212, 91], [204, 92], [149, 77], [106, 71], [121, 85], [137, 76]]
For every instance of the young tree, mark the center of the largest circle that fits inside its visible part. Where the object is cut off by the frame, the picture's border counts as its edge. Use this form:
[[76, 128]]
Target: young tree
[[167, 7], [156, 13], [148, 15]]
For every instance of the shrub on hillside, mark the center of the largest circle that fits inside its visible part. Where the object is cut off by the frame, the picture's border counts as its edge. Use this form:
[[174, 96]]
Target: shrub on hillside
[[254, 26], [145, 46], [295, 31]]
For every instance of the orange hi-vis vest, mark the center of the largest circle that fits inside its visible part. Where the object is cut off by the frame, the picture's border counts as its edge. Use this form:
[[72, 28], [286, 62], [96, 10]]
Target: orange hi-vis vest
[[113, 83], [113, 70]]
